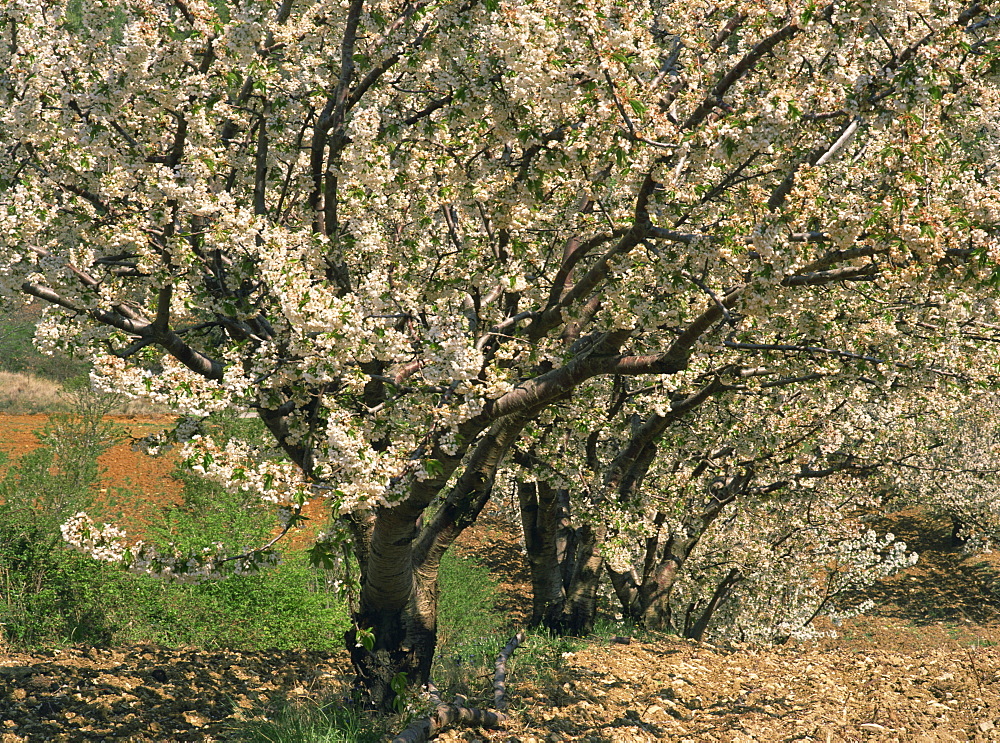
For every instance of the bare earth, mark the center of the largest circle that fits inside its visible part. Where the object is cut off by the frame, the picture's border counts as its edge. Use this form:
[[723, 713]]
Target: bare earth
[[925, 667]]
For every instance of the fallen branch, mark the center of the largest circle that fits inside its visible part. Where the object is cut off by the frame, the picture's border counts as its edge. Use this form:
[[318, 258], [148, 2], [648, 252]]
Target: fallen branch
[[500, 677], [449, 714]]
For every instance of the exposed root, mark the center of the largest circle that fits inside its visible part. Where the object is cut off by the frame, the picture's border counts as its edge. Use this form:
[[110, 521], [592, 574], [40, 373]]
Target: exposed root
[[445, 715]]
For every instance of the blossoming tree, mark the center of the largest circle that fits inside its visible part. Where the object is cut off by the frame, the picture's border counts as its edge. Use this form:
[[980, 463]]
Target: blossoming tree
[[762, 496], [401, 231]]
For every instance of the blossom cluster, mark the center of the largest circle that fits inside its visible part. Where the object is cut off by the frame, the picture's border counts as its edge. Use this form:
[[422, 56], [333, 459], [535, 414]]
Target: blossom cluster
[[108, 543]]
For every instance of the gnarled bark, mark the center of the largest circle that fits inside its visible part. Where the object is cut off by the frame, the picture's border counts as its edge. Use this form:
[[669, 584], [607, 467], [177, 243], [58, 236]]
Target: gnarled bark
[[397, 616], [564, 561]]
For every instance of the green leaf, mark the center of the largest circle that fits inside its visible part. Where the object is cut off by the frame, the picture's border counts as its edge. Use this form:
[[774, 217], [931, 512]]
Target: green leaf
[[398, 685], [320, 556], [367, 638], [807, 14]]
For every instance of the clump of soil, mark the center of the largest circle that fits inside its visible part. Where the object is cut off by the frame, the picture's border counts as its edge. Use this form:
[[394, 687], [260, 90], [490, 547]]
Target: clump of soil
[[149, 693]]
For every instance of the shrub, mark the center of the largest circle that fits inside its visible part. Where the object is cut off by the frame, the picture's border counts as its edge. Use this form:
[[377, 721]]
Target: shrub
[[45, 589], [53, 595]]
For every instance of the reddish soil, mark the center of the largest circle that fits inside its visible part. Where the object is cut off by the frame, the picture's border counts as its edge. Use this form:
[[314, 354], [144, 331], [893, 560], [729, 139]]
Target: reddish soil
[[142, 483], [138, 485]]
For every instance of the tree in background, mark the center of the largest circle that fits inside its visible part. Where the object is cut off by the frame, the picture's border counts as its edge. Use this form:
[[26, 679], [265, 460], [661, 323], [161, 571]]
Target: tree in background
[[956, 475], [409, 234], [763, 494]]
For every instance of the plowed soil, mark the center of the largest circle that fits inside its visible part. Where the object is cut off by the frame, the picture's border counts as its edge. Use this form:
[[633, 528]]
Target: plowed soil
[[924, 667], [142, 482]]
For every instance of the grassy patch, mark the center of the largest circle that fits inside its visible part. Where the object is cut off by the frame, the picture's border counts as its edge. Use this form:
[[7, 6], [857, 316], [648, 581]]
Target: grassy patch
[[309, 722], [51, 595], [469, 627], [26, 394], [18, 354]]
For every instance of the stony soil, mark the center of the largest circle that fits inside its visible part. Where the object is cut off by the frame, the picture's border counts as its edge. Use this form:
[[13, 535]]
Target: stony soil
[[149, 693], [677, 691], [924, 667]]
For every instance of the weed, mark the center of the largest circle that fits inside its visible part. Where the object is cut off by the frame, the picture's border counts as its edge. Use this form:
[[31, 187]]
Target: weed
[[52, 595], [18, 354], [308, 722], [45, 591], [468, 626]]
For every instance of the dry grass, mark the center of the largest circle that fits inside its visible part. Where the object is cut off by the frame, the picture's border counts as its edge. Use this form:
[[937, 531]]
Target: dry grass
[[22, 394], [27, 394]]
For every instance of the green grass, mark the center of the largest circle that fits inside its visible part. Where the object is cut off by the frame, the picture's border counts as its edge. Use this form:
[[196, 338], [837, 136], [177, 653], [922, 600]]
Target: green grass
[[469, 628], [51, 595], [18, 354], [309, 722]]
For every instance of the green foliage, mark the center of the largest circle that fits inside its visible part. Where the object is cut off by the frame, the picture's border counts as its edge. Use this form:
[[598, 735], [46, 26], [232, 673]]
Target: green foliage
[[19, 355], [331, 722], [52, 595], [466, 610], [470, 629], [284, 608], [209, 514], [45, 592]]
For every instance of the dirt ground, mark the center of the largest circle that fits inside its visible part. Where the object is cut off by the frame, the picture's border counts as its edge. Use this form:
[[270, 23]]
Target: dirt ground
[[142, 482], [925, 667]]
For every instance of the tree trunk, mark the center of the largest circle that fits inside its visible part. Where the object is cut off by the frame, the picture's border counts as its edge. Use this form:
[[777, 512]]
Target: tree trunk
[[580, 611], [565, 563], [645, 596], [696, 631], [392, 642], [544, 522], [392, 645]]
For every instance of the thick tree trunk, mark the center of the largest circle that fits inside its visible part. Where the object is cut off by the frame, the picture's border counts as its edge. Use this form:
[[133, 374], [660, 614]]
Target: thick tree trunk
[[545, 540], [395, 637], [392, 643], [564, 562], [645, 596], [578, 616]]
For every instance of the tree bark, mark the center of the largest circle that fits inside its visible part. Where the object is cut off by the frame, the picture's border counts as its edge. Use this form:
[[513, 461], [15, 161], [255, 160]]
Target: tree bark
[[564, 561], [546, 537], [645, 596], [396, 623], [397, 616]]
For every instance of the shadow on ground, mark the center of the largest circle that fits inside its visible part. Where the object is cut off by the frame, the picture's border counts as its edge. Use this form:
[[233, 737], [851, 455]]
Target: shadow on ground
[[150, 693], [945, 584]]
